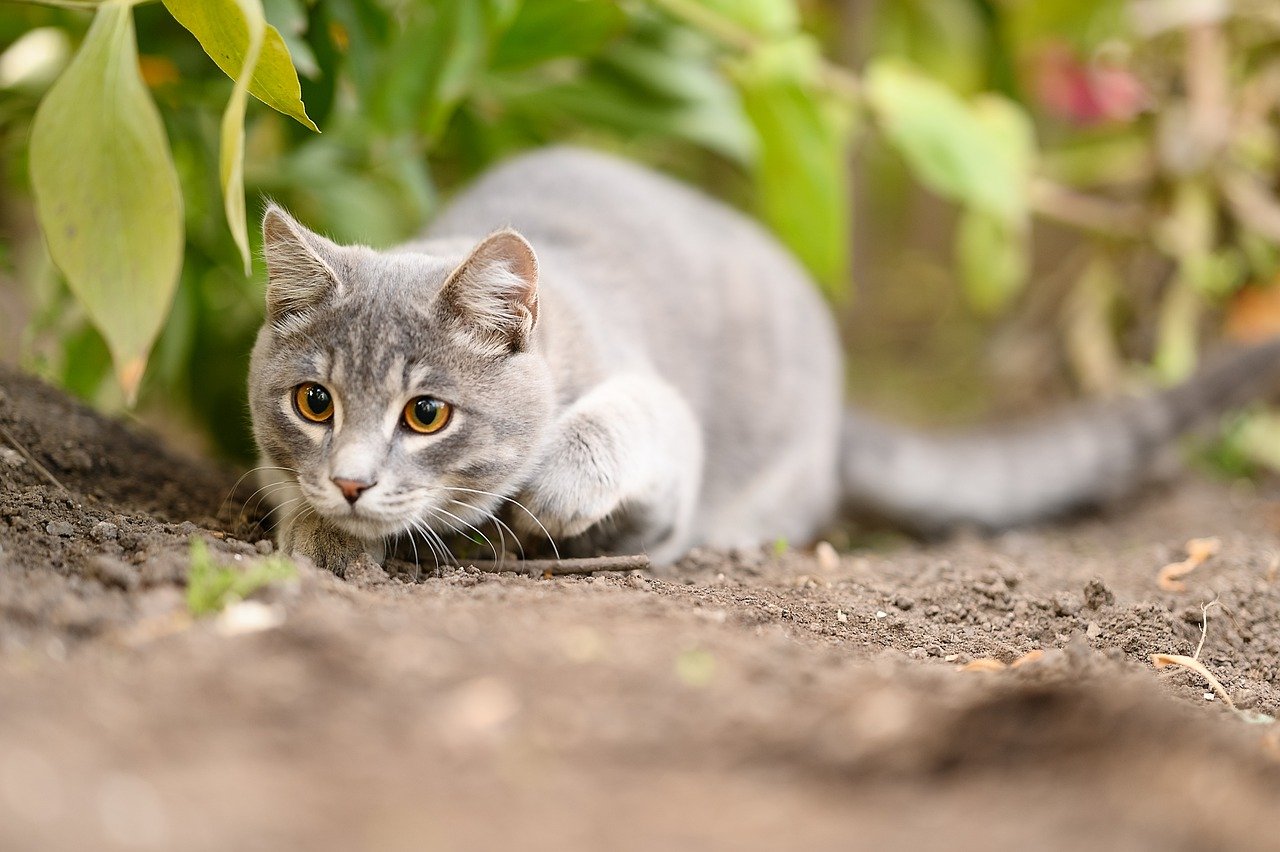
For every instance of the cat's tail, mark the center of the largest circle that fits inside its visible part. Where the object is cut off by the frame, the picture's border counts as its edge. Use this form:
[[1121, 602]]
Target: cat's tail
[[1070, 460]]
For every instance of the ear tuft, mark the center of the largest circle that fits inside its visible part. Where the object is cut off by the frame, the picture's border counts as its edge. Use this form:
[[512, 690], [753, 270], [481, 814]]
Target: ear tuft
[[494, 292], [298, 276]]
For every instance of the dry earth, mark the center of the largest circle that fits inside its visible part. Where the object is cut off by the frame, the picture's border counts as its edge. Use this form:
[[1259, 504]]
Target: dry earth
[[746, 700]]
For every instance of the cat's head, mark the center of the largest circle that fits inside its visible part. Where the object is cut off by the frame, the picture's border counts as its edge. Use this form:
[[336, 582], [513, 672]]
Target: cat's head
[[399, 388]]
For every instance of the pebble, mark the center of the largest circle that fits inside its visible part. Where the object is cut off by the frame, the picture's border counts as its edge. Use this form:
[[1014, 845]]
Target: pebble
[[1093, 631], [1065, 603], [113, 572], [1097, 595], [104, 531], [903, 602], [826, 556], [61, 528]]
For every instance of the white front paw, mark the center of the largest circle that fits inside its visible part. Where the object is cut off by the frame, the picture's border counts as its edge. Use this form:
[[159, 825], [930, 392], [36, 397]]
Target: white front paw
[[568, 497]]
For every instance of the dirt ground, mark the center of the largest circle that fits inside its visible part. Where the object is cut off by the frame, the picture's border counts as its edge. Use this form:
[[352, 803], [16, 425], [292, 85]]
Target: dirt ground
[[739, 701]]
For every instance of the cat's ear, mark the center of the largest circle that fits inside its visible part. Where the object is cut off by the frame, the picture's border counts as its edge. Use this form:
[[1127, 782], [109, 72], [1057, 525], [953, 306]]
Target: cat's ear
[[298, 276], [494, 292]]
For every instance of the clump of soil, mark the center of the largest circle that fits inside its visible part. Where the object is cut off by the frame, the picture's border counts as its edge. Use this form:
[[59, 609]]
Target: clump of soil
[[739, 700]]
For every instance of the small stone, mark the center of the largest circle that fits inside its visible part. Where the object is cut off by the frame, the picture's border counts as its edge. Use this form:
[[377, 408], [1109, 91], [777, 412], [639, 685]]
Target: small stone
[[1097, 595], [841, 617], [1093, 631], [828, 559], [249, 617], [1066, 604], [903, 602], [917, 653], [113, 572], [12, 458], [104, 531], [60, 528], [264, 546]]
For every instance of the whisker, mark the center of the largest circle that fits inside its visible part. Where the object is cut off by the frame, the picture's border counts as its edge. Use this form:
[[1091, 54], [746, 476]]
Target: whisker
[[519, 505], [503, 529], [250, 472], [493, 549]]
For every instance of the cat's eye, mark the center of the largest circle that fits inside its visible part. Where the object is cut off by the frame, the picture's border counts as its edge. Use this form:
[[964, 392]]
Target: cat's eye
[[313, 402], [426, 414]]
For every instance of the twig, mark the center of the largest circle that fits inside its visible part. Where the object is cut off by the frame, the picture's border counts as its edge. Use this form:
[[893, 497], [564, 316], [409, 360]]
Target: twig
[[562, 567], [1085, 212], [1204, 627], [17, 445]]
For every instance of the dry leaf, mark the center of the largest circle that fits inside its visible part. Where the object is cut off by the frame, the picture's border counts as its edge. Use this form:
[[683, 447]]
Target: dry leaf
[[1253, 314], [1162, 660], [983, 664], [1029, 657], [1198, 550]]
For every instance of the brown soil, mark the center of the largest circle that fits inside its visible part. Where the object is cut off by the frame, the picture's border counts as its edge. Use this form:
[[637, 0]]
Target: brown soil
[[739, 701]]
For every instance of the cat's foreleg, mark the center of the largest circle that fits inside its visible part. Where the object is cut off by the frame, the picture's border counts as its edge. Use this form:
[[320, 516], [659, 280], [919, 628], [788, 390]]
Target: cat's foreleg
[[307, 534], [628, 452]]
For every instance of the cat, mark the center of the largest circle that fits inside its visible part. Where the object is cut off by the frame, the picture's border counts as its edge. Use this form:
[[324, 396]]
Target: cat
[[614, 362]]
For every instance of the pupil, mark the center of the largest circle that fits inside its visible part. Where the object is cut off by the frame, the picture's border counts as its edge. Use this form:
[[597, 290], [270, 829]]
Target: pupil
[[317, 400], [426, 410]]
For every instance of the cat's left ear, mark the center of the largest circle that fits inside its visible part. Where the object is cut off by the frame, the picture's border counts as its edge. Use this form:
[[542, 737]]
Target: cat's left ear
[[494, 292]]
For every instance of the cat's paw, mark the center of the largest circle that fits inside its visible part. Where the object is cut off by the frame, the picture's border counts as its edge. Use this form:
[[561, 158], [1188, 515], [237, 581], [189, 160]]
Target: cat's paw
[[569, 496], [326, 546]]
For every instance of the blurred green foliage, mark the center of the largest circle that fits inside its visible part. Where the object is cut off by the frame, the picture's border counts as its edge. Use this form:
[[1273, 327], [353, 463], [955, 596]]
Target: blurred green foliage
[[1144, 127]]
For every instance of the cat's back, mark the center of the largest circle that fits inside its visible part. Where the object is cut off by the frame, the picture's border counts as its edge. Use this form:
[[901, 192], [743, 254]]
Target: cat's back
[[663, 274]]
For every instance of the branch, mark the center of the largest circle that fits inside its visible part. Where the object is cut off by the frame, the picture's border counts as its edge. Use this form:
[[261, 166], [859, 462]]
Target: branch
[[1055, 202], [562, 567]]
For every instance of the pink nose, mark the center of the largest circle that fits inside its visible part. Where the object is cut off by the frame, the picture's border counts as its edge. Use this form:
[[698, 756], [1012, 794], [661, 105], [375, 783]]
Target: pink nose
[[352, 489]]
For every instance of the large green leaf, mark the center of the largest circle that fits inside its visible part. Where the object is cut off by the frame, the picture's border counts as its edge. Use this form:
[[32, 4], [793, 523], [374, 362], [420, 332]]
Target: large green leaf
[[231, 136], [107, 193], [223, 30], [978, 153]]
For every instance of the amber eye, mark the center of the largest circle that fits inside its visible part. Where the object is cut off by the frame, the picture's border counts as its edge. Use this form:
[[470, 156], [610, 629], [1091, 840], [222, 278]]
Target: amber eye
[[426, 414], [313, 402]]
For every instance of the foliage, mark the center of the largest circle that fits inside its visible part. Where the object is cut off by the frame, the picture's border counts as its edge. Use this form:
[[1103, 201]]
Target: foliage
[[212, 587], [1144, 128]]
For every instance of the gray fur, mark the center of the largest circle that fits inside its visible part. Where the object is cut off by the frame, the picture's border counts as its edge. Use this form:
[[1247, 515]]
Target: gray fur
[[661, 375]]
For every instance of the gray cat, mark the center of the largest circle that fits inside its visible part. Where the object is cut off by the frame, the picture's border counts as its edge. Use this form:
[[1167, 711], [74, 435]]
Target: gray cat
[[635, 367]]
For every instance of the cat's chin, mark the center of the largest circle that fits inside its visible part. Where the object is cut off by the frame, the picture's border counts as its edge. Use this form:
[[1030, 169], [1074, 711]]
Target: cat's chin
[[364, 526]]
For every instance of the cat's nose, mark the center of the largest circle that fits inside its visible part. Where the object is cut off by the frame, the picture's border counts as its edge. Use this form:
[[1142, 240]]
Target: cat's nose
[[352, 488]]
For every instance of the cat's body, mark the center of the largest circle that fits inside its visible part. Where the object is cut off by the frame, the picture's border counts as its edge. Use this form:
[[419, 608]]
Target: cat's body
[[662, 375]]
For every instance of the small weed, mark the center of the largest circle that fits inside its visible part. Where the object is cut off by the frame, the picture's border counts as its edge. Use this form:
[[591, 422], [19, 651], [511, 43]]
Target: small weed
[[211, 587]]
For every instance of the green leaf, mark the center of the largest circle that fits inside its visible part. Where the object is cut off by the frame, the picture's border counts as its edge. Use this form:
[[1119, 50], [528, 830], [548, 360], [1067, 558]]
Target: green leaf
[[801, 171], [231, 133], [978, 153], [212, 587], [993, 260], [432, 66], [549, 29], [231, 136], [223, 29], [107, 193]]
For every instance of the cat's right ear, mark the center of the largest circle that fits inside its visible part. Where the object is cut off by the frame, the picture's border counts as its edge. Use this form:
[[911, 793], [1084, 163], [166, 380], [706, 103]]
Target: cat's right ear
[[298, 276]]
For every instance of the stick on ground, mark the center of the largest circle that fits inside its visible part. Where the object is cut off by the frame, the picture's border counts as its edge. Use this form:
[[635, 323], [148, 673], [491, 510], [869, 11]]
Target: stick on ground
[[562, 567]]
